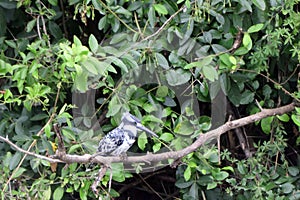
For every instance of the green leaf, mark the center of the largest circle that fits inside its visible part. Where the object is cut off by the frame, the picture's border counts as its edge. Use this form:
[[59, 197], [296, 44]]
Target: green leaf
[[211, 185], [184, 128], [166, 137], [260, 4], [47, 193], [220, 176], [55, 30], [18, 173], [293, 171], [210, 73], [194, 190], [296, 119], [93, 43], [187, 173], [162, 61], [177, 77], [160, 9], [266, 124], [284, 117], [152, 17], [247, 42], [30, 25], [287, 188], [142, 140], [58, 193], [255, 28], [14, 161], [162, 91]]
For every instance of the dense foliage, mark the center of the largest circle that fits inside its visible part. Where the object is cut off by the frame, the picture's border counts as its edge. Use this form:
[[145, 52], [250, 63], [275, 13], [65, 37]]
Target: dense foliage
[[182, 67]]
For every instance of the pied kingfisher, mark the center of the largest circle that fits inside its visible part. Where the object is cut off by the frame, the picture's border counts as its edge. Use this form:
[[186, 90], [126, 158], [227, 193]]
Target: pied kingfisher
[[120, 139]]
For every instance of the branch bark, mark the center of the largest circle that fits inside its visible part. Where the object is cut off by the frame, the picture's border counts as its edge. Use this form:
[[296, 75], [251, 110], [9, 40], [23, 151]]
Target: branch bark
[[149, 158]]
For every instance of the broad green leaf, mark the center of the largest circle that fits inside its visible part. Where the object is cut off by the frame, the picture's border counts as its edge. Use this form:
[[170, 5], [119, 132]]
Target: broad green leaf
[[151, 16], [93, 43], [211, 185], [113, 110], [18, 173], [177, 77], [162, 91], [247, 42], [117, 38], [160, 9], [260, 4], [156, 147], [142, 140], [210, 72], [293, 171], [194, 190], [58, 193], [247, 97], [183, 184], [162, 61], [184, 128], [187, 173], [102, 23], [166, 137], [266, 124], [287, 188], [284, 117], [14, 161], [255, 28], [47, 193], [30, 25], [55, 30], [220, 176], [296, 119]]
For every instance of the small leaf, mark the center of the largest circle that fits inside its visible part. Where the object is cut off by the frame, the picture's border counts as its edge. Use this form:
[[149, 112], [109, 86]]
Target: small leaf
[[160, 9], [162, 61], [93, 43], [260, 4], [296, 119], [184, 128], [255, 28], [162, 91], [166, 137], [177, 77], [247, 42], [18, 173], [287, 188], [266, 124], [210, 73], [187, 173], [142, 140], [284, 117], [58, 193], [151, 17]]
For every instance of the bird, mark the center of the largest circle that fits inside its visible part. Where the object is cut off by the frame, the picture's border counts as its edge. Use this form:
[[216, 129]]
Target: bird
[[119, 140]]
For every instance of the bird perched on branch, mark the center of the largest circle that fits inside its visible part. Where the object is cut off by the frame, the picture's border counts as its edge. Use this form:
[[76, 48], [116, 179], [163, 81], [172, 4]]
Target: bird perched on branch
[[120, 139]]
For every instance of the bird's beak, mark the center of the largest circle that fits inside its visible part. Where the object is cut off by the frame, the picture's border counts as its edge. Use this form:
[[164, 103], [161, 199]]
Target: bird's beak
[[143, 128]]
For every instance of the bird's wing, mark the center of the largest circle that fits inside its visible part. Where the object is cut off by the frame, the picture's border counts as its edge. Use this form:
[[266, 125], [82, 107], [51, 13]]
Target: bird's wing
[[111, 141]]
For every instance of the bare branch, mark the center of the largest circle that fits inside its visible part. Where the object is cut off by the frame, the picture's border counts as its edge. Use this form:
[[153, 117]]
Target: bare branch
[[52, 160], [149, 158]]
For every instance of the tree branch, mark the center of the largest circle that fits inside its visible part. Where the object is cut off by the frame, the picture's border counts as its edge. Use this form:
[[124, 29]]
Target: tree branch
[[148, 158], [52, 160]]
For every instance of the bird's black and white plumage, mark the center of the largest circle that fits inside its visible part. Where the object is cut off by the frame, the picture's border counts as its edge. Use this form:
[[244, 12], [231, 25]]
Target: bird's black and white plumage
[[120, 139]]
